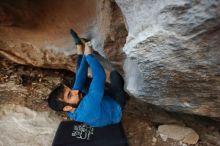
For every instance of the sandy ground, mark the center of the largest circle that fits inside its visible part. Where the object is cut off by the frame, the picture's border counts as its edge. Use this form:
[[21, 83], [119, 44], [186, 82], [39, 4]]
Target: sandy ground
[[28, 88]]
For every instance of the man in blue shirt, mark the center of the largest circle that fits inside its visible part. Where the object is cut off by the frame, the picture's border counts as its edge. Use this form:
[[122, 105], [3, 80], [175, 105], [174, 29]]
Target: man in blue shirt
[[94, 106]]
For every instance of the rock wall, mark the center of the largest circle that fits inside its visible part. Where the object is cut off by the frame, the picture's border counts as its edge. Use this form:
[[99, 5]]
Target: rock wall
[[170, 59], [23, 126], [37, 32], [174, 48]]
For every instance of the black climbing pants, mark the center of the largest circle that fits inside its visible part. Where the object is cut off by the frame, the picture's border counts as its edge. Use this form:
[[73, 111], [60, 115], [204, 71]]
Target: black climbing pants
[[116, 89]]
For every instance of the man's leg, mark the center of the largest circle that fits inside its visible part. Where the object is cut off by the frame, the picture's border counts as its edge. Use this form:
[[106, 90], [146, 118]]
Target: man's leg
[[116, 89]]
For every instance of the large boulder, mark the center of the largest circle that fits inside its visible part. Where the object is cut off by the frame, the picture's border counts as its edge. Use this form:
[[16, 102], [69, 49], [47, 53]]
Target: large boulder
[[37, 32], [173, 56]]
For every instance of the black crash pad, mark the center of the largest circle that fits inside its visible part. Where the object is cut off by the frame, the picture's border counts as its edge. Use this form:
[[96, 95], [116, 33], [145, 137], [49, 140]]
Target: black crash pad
[[71, 133]]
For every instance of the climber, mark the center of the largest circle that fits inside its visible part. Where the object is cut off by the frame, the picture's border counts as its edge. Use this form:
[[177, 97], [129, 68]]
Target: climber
[[94, 106]]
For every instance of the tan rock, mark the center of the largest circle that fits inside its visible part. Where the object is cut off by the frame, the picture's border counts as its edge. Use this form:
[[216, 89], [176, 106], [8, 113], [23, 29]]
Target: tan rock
[[184, 134], [37, 33]]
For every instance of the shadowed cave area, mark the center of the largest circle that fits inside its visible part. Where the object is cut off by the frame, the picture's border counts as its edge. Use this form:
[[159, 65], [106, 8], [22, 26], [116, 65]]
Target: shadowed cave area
[[167, 52]]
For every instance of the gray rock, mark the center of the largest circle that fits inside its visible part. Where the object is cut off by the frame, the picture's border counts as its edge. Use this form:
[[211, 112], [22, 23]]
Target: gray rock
[[173, 46], [23, 126]]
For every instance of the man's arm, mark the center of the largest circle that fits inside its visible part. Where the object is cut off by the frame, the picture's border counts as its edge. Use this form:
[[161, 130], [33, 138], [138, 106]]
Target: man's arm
[[81, 75], [96, 89]]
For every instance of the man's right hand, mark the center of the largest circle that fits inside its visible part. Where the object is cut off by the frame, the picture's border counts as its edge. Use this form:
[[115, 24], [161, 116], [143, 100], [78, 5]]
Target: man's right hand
[[88, 48]]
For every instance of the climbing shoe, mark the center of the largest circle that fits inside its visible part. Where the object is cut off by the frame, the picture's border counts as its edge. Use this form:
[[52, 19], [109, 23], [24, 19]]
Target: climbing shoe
[[76, 38]]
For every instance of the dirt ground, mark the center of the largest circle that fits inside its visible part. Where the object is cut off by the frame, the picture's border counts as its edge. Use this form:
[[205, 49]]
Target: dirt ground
[[29, 87]]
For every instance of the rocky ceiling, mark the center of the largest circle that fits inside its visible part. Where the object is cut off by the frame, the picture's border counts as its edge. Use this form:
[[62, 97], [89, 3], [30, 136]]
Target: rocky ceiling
[[167, 50], [37, 32]]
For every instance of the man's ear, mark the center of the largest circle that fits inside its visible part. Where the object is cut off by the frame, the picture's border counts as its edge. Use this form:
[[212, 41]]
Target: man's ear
[[67, 108]]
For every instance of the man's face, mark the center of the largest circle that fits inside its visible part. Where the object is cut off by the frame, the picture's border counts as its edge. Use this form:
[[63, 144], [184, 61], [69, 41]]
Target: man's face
[[70, 97]]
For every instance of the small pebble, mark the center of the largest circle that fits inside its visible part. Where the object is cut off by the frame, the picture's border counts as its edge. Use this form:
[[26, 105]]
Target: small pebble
[[154, 139], [182, 144], [149, 128]]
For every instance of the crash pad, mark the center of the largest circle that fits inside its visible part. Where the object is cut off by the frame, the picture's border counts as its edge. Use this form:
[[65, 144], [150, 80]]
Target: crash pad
[[72, 133]]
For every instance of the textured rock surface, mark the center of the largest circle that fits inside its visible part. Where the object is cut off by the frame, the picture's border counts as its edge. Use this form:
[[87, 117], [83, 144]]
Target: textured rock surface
[[22, 126], [37, 32], [23, 93], [184, 134], [174, 48], [115, 36]]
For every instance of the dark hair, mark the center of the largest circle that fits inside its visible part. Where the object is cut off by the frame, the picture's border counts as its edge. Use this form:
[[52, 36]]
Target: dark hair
[[55, 97]]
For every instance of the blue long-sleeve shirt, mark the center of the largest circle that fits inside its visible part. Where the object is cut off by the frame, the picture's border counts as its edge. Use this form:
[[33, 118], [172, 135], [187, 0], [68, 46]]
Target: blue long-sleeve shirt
[[95, 109]]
